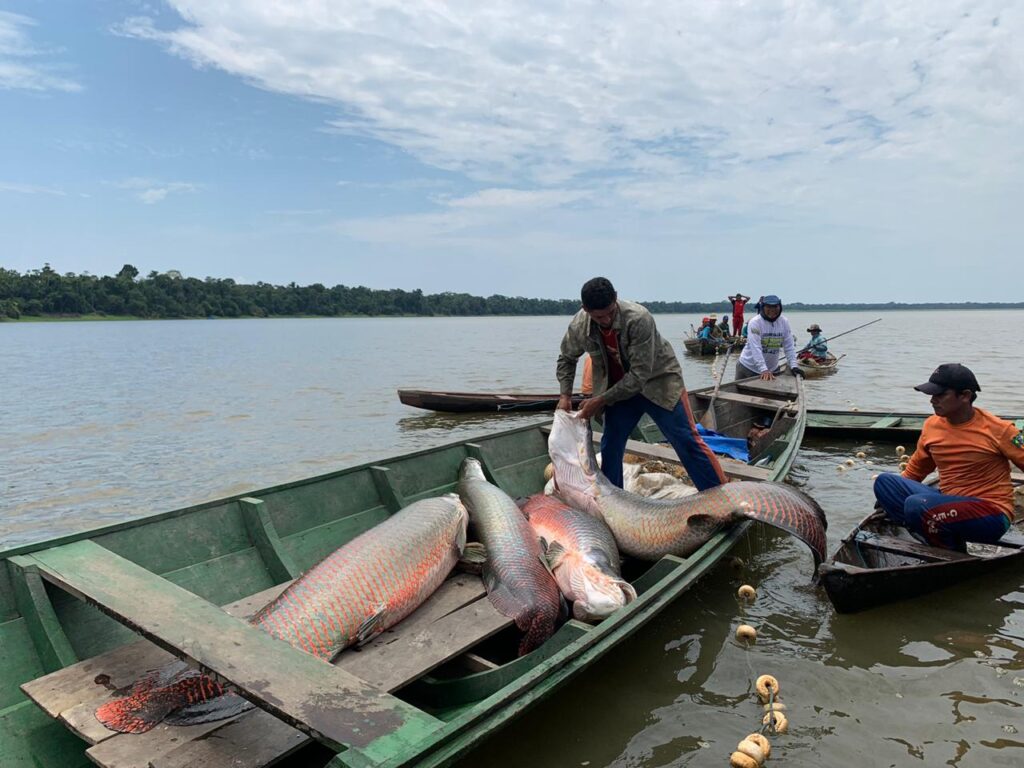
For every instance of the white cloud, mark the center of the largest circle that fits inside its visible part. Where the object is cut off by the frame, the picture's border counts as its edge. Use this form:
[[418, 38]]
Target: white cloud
[[631, 126], [549, 92], [150, 191], [29, 189], [21, 62]]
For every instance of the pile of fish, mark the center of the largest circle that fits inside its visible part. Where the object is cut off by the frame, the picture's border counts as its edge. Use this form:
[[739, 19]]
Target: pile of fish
[[536, 556]]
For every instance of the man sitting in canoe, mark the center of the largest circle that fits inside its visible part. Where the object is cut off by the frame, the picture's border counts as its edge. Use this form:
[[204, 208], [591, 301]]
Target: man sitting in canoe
[[635, 372], [817, 348], [971, 449]]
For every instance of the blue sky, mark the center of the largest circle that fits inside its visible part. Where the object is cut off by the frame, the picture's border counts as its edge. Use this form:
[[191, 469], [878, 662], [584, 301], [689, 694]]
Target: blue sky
[[823, 151]]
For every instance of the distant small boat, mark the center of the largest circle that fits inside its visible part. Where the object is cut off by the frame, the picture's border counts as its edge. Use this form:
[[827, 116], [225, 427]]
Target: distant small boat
[[813, 369], [879, 562], [482, 402], [702, 348]]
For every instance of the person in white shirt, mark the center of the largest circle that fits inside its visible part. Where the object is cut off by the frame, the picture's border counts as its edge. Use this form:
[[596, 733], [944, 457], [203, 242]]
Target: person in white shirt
[[768, 338]]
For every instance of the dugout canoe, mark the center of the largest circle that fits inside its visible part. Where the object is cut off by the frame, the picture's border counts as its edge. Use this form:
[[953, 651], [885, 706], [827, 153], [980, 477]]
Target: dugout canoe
[[814, 370], [482, 402], [700, 348], [871, 425], [879, 562], [423, 694]]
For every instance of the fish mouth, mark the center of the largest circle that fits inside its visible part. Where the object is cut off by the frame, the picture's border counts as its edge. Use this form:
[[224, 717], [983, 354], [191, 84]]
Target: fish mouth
[[570, 447], [602, 596]]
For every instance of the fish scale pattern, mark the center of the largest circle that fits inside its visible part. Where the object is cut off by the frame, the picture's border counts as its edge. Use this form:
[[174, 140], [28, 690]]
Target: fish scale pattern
[[369, 584], [519, 585]]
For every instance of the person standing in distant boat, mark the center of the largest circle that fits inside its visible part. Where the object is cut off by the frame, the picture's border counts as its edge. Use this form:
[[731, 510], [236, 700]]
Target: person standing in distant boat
[[817, 348], [635, 372], [739, 301], [769, 336], [972, 450]]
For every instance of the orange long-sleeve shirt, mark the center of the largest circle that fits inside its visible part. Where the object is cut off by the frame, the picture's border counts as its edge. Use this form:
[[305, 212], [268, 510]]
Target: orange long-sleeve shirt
[[972, 458]]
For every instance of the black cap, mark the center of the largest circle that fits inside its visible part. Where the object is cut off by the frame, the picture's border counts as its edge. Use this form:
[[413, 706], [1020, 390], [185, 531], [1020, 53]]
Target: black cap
[[949, 376]]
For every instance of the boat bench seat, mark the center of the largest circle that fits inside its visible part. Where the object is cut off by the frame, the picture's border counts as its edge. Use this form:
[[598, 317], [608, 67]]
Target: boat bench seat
[[900, 546], [887, 422], [454, 619], [738, 397]]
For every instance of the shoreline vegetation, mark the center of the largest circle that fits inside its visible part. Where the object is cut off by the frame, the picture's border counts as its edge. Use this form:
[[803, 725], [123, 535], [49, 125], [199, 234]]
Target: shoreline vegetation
[[44, 295]]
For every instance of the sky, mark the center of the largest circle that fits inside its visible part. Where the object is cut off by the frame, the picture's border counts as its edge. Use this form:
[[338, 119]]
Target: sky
[[823, 151]]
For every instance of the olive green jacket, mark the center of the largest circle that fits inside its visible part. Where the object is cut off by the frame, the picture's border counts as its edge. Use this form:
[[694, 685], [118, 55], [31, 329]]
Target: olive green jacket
[[650, 364]]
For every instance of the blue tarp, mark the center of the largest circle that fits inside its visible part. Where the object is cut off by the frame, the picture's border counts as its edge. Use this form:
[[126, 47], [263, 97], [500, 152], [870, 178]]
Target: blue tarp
[[734, 447]]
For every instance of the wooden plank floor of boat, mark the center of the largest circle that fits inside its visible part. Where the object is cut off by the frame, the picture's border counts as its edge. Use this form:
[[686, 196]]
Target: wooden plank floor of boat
[[454, 619]]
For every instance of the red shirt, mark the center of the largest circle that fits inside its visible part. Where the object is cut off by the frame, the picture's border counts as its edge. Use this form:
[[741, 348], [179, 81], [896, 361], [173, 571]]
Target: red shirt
[[611, 347]]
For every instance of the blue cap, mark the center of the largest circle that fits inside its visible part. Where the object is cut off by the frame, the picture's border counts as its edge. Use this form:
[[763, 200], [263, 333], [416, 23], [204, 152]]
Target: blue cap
[[771, 299]]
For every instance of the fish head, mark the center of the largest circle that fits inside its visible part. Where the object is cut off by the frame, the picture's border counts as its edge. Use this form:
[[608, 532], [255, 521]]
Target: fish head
[[597, 594], [471, 469], [462, 520], [571, 448]]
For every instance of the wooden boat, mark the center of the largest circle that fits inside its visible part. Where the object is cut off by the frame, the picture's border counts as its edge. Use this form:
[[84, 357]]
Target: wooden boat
[[701, 348], [421, 694], [482, 402], [871, 425], [813, 369], [879, 562]]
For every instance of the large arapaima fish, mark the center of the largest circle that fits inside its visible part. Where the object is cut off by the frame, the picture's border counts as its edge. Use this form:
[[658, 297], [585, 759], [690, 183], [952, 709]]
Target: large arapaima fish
[[582, 555], [652, 528], [361, 589], [519, 584]]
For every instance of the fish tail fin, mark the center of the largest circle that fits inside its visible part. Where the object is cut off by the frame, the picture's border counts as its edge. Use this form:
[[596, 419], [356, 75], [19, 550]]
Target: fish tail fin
[[790, 510], [156, 695], [541, 626]]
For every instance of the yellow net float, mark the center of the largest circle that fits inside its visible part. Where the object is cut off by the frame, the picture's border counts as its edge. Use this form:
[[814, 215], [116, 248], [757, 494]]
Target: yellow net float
[[549, 471], [739, 760], [746, 633], [861, 455], [900, 450], [776, 706], [752, 750], [762, 741], [777, 721], [746, 592], [767, 687]]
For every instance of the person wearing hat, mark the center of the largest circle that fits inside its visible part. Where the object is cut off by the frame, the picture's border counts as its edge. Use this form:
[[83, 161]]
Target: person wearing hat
[[635, 372], [716, 331], [769, 336], [817, 347], [972, 451], [739, 301]]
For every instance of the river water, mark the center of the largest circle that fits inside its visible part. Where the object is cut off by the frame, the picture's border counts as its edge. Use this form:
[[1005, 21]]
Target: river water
[[102, 422]]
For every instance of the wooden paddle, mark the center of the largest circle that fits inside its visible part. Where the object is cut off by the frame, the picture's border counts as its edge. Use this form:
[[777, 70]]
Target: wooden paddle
[[708, 420]]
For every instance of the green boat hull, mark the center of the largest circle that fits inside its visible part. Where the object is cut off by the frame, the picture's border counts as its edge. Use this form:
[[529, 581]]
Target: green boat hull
[[225, 550]]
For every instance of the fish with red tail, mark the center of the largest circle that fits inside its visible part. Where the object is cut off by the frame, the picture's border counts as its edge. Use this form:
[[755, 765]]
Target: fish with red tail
[[652, 528], [518, 582], [361, 589], [582, 555]]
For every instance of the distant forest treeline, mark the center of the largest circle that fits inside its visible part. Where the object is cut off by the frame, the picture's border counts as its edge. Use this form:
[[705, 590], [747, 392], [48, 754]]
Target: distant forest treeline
[[46, 292]]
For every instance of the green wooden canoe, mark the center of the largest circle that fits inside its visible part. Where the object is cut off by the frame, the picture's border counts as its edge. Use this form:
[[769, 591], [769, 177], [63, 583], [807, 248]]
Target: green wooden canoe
[[423, 693], [871, 425]]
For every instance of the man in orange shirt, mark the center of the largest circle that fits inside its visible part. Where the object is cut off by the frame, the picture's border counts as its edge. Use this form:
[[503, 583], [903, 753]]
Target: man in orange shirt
[[971, 449]]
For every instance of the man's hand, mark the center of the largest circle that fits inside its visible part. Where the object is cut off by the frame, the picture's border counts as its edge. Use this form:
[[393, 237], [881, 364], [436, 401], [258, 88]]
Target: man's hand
[[591, 407], [767, 376], [797, 371], [564, 403]]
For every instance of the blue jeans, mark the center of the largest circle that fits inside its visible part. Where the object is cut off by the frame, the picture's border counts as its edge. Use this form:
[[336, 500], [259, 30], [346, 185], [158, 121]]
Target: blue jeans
[[676, 425], [943, 521]]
